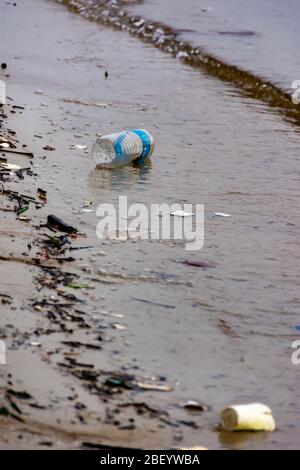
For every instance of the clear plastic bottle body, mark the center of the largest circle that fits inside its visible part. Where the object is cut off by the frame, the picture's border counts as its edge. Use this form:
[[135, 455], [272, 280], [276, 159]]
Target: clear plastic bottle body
[[115, 150]]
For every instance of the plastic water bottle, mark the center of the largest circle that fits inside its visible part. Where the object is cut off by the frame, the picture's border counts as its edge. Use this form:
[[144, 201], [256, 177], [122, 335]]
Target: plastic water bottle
[[115, 150]]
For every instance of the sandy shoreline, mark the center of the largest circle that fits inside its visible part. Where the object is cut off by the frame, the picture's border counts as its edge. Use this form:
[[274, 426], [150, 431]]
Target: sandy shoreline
[[62, 409], [88, 394]]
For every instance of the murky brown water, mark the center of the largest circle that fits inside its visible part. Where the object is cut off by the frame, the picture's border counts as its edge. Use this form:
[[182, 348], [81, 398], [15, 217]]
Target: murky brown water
[[232, 153]]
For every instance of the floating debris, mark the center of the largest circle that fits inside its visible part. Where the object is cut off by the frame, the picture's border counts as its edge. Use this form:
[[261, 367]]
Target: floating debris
[[118, 326], [199, 264], [19, 152], [60, 225], [42, 194], [221, 214], [195, 406], [79, 147], [79, 286], [20, 395], [5, 412], [22, 210], [9, 166], [226, 328], [49, 148], [251, 417], [122, 381], [154, 387], [23, 218], [78, 344], [115, 315], [121, 148], [182, 214], [84, 103]]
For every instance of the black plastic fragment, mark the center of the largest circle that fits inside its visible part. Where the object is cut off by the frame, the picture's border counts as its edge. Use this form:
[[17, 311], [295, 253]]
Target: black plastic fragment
[[60, 225]]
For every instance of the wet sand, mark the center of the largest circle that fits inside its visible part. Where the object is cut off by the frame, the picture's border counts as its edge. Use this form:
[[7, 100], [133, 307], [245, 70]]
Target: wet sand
[[226, 336]]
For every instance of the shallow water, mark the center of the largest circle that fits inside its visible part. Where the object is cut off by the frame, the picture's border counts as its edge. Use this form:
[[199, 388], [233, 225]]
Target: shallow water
[[228, 336], [260, 36], [235, 66]]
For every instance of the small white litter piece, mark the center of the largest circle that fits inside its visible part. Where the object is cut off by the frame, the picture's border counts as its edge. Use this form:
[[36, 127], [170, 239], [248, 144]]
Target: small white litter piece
[[101, 105], [79, 147], [39, 92], [117, 315], [182, 55], [120, 236], [5, 145], [250, 417], [118, 326], [182, 214], [101, 253], [154, 387], [8, 166], [221, 214], [194, 405]]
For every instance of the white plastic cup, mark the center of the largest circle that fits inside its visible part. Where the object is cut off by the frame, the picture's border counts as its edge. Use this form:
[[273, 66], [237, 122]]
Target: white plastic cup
[[251, 417], [2, 93], [115, 150]]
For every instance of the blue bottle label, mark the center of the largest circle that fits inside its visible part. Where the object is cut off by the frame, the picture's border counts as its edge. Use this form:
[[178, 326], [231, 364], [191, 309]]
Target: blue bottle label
[[146, 144]]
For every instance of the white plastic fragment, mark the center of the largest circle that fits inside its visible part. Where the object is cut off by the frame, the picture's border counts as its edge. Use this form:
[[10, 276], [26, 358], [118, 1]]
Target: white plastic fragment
[[118, 326], [250, 417], [194, 405], [8, 166], [222, 214], [182, 55], [155, 387], [79, 147], [120, 236], [182, 214], [117, 315]]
